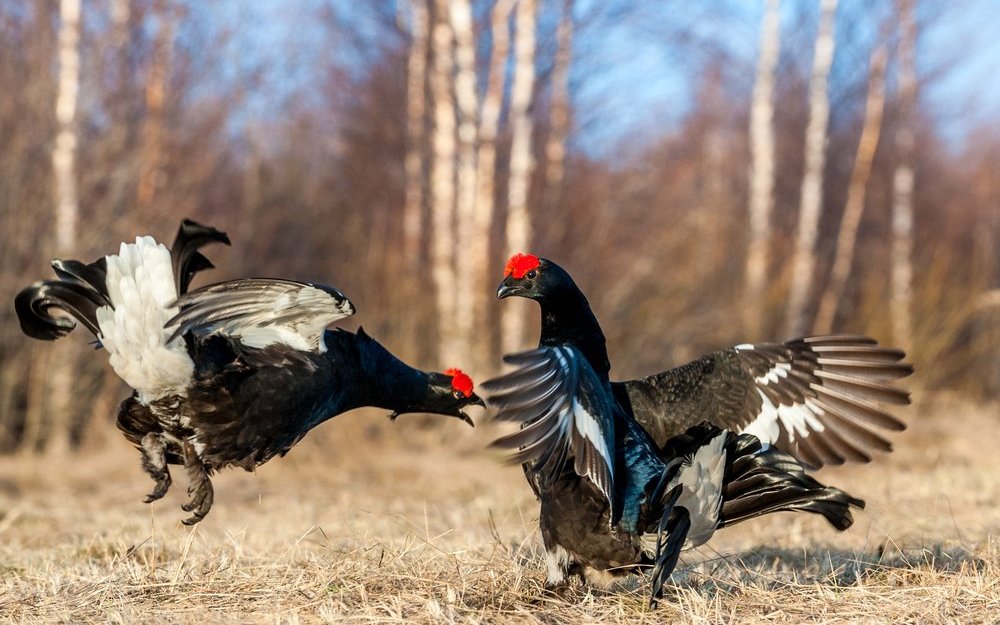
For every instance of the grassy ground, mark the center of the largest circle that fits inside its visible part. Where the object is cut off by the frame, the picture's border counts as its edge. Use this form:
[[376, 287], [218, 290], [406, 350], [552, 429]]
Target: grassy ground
[[369, 522]]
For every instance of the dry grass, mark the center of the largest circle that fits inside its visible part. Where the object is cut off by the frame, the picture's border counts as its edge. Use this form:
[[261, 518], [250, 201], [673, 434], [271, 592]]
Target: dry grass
[[394, 524]]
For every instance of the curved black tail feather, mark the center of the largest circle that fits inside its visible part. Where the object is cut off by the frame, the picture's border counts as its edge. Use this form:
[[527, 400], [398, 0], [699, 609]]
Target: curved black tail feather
[[32, 305], [185, 257]]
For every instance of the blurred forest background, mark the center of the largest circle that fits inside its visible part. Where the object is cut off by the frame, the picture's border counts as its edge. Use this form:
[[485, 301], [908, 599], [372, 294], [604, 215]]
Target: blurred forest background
[[711, 173]]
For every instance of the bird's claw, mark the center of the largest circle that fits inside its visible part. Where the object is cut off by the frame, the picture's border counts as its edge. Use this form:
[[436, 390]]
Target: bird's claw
[[200, 488], [559, 592], [202, 495], [154, 463], [162, 485]]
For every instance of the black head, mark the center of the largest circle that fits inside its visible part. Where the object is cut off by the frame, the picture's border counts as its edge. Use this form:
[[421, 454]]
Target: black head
[[534, 278], [447, 393]]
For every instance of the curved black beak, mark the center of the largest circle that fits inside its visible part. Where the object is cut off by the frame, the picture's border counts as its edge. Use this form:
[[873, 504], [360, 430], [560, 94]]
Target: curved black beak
[[475, 400], [507, 288]]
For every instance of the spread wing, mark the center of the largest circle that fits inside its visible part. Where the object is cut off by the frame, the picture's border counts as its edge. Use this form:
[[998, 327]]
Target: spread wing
[[565, 413], [262, 311], [817, 398]]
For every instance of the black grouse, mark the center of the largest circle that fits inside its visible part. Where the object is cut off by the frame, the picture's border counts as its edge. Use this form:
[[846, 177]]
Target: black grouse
[[229, 374], [628, 474]]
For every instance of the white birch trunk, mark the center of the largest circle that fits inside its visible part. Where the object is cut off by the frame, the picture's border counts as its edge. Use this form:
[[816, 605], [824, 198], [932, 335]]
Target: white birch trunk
[[416, 78], [442, 181], [489, 119], [762, 167], [902, 182], [60, 360], [811, 203], [467, 100], [64, 150], [518, 231], [855, 205]]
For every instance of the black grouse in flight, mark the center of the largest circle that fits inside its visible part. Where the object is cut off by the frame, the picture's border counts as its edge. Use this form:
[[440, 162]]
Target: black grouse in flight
[[229, 374], [628, 474]]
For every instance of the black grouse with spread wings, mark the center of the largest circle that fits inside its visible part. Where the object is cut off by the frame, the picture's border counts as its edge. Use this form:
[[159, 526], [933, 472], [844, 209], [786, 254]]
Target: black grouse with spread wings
[[630, 473], [229, 374]]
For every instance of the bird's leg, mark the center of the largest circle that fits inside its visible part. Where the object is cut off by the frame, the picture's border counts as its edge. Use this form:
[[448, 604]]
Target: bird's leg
[[154, 462], [199, 485], [559, 571]]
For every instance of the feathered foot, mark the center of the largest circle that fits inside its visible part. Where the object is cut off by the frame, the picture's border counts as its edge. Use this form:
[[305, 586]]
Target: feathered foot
[[199, 486], [557, 592], [154, 462]]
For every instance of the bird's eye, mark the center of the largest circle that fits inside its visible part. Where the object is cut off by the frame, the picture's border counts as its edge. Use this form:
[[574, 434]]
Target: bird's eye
[[457, 395], [531, 275]]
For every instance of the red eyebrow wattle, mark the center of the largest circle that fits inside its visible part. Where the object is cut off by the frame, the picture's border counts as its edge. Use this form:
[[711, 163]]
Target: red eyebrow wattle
[[520, 264], [460, 382]]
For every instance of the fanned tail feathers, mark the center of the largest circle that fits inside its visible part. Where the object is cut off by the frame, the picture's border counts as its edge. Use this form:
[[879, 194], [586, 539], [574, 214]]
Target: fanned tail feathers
[[125, 299]]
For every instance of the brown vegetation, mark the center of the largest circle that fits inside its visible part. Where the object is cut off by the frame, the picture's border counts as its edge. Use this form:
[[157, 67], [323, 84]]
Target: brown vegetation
[[321, 152], [431, 530]]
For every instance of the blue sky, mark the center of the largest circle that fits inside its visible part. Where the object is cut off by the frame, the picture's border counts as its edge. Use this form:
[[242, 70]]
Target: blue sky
[[628, 75], [645, 85]]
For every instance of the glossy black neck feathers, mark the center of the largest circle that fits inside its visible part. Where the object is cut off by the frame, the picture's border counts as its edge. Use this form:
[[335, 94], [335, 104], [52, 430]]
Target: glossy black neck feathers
[[567, 318], [376, 377]]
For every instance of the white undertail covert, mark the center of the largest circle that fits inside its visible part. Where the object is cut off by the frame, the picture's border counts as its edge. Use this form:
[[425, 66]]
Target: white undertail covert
[[141, 286]]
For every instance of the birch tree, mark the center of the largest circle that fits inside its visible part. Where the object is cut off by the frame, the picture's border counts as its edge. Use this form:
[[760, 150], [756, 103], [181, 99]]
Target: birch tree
[[60, 361], [902, 181], [467, 101], [518, 230], [811, 203], [64, 148], [442, 181], [851, 219], [555, 145], [416, 77], [158, 78], [489, 119], [762, 166]]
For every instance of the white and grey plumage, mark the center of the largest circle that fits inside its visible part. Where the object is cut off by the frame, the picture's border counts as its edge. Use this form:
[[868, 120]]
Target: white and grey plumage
[[262, 311]]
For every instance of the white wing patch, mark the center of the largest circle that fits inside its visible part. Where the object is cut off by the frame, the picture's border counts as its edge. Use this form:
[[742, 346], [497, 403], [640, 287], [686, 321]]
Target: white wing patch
[[776, 374], [140, 283], [589, 429], [584, 422], [821, 396], [797, 420]]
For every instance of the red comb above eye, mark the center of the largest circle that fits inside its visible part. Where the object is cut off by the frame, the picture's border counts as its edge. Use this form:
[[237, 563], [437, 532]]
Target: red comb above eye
[[460, 382], [520, 264]]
